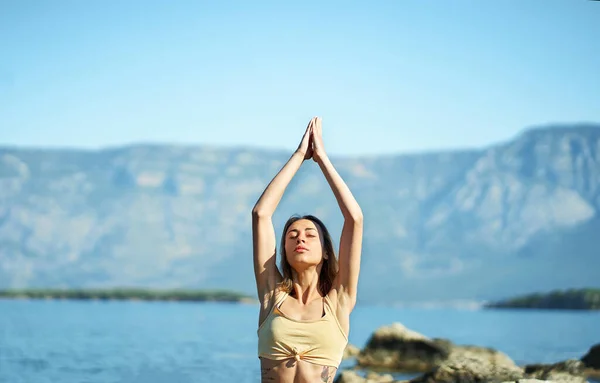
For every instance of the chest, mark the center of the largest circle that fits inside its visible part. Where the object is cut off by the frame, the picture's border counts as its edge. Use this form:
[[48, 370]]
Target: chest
[[309, 313]]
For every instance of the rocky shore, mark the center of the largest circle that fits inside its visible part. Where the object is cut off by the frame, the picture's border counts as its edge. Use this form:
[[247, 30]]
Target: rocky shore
[[397, 349]]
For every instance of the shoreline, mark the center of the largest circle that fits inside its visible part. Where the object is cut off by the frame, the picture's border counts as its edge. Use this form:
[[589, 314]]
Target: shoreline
[[127, 295]]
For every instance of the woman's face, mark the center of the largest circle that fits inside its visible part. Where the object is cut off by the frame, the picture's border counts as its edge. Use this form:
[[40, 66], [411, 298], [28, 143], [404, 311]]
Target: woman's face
[[303, 245]]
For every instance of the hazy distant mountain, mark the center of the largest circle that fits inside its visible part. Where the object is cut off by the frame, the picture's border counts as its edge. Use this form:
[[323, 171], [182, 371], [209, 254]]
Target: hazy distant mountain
[[512, 218]]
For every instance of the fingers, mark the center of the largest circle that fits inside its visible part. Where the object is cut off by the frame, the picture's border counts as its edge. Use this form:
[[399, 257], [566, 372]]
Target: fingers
[[310, 124], [317, 125], [306, 140], [309, 129], [314, 128]]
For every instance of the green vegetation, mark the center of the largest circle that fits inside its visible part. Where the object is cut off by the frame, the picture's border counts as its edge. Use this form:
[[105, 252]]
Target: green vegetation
[[128, 294], [572, 299]]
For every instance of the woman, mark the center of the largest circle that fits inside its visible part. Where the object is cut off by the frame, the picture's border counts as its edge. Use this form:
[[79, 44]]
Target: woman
[[304, 317]]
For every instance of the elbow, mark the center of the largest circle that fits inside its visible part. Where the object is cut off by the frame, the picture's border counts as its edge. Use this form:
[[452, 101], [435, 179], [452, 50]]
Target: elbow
[[260, 213], [355, 217], [358, 219]]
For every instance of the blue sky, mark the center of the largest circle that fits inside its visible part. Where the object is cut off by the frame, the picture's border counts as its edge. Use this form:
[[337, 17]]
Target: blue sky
[[386, 76]]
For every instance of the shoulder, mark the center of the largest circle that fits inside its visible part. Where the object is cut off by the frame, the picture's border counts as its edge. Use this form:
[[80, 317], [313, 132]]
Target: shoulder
[[275, 297], [269, 301]]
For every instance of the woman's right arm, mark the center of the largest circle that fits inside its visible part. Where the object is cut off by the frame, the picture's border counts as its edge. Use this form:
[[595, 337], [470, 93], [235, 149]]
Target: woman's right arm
[[263, 233]]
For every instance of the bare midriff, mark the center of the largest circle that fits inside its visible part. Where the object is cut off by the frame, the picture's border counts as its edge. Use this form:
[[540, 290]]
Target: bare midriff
[[294, 371]]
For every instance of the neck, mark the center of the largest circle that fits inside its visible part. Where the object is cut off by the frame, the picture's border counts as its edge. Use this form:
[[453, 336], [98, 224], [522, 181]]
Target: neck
[[306, 284]]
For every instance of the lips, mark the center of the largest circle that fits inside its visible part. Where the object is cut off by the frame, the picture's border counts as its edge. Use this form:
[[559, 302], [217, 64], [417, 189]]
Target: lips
[[301, 248]]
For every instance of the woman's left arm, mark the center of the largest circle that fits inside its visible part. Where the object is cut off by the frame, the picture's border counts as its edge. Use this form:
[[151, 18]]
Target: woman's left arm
[[352, 231]]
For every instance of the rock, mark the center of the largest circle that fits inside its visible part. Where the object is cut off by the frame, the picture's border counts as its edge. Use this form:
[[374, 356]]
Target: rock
[[473, 368], [567, 371], [592, 358], [351, 351], [373, 377], [349, 377], [398, 348], [485, 354], [528, 381], [353, 377]]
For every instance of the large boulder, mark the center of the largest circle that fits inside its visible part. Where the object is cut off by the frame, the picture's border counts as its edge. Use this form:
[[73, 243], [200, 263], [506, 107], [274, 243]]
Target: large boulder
[[473, 367], [568, 371], [398, 348]]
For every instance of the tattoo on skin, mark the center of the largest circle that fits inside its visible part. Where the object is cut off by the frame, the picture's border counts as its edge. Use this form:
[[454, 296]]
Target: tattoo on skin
[[266, 376], [326, 374]]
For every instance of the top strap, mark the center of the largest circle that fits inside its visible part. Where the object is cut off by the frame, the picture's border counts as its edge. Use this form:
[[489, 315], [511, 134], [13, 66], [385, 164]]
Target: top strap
[[329, 303], [279, 298]]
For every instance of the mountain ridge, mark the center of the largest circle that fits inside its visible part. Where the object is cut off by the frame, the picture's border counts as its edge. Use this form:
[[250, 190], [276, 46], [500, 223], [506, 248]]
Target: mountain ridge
[[532, 129], [460, 224]]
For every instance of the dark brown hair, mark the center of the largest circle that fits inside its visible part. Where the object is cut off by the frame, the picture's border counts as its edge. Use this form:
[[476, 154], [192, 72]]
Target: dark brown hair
[[329, 268]]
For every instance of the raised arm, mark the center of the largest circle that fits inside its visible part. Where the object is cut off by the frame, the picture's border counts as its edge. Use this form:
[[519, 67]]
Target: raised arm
[[263, 234], [352, 231]]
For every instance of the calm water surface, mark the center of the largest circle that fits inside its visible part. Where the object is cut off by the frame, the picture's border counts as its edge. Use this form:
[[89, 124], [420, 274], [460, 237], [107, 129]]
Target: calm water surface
[[161, 342]]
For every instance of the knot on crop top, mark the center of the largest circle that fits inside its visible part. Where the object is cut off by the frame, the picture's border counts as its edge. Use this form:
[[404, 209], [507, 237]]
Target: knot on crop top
[[320, 341]]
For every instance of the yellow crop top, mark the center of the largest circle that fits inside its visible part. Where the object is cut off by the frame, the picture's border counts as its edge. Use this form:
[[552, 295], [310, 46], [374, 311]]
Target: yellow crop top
[[320, 341]]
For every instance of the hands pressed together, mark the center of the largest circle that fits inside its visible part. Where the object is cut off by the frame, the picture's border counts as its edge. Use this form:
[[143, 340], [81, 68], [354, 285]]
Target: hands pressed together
[[311, 145]]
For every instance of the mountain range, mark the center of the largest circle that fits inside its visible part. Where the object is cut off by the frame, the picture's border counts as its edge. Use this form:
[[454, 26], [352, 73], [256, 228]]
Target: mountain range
[[511, 218]]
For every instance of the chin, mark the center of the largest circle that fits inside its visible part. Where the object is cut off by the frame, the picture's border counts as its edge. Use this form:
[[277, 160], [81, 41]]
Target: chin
[[304, 261], [300, 259]]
